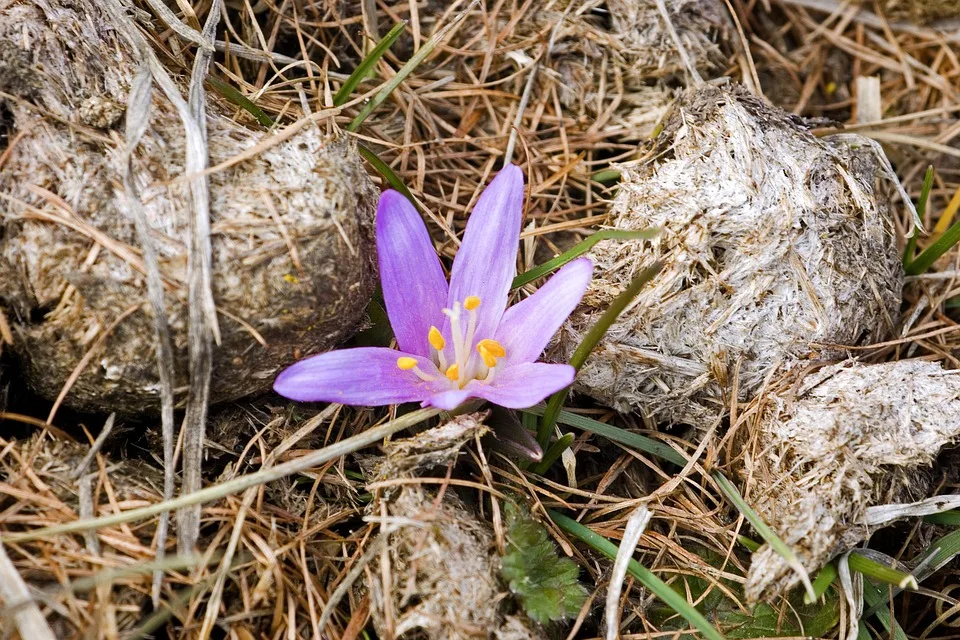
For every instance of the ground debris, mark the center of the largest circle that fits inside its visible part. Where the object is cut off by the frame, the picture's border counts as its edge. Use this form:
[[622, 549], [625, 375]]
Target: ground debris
[[764, 229], [438, 576], [828, 446], [38, 476], [921, 11]]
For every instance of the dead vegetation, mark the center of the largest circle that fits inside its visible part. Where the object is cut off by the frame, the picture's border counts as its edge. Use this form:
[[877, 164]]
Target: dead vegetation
[[560, 86]]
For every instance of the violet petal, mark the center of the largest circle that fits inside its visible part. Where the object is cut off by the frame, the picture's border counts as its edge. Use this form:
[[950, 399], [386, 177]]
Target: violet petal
[[527, 327], [414, 287], [487, 260], [448, 400], [524, 385], [366, 376]]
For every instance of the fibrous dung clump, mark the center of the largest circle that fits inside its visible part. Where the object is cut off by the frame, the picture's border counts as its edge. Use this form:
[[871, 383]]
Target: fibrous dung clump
[[921, 11], [828, 447], [293, 262], [776, 246], [440, 560]]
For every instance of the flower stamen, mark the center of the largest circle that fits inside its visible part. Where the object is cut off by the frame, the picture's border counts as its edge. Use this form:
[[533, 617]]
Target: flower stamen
[[489, 351], [435, 338], [406, 363], [471, 304], [458, 343], [453, 373]]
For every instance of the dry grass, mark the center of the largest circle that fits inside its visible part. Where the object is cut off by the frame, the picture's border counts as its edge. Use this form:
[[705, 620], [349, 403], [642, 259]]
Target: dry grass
[[443, 132]]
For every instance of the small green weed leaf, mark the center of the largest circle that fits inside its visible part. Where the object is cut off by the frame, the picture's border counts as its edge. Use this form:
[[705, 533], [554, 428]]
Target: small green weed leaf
[[808, 620], [545, 583], [792, 618], [365, 67]]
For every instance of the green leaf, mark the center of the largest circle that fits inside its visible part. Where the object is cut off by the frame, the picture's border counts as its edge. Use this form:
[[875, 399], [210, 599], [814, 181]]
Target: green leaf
[[950, 237], [384, 170], [881, 573], [876, 598], [380, 333], [553, 453], [799, 619], [762, 528], [242, 101], [366, 65], [407, 69], [610, 432], [677, 602], [951, 518], [789, 618], [942, 550], [546, 584], [921, 210], [578, 250], [606, 175], [822, 582], [590, 341]]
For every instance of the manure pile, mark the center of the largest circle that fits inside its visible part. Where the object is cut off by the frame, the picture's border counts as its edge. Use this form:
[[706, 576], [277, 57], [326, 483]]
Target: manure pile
[[188, 197]]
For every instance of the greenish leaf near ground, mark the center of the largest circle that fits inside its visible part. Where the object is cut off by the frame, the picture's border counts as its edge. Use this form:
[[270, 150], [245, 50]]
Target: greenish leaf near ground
[[545, 583]]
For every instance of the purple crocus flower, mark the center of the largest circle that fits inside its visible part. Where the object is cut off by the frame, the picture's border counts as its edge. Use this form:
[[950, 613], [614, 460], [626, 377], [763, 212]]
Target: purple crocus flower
[[456, 341]]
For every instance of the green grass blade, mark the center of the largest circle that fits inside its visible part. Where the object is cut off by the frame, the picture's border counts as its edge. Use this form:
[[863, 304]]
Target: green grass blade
[[921, 210], [366, 65], [752, 545], [822, 582], [578, 250], [880, 572], [643, 575], [951, 518], [610, 432], [590, 340], [877, 600], [761, 527], [606, 175], [384, 170], [242, 101], [933, 253], [407, 69], [938, 554]]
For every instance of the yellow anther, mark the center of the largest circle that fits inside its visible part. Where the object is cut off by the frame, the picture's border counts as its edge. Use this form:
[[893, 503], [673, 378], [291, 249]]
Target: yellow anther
[[488, 358], [492, 347], [436, 340], [471, 303], [453, 372], [406, 363]]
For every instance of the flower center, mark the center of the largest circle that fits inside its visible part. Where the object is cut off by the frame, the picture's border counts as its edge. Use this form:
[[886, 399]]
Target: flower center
[[466, 366]]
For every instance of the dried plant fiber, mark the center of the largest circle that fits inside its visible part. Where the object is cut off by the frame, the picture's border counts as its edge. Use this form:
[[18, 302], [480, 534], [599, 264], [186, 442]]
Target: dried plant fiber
[[443, 564], [292, 228], [921, 11], [776, 245], [848, 437], [47, 483]]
